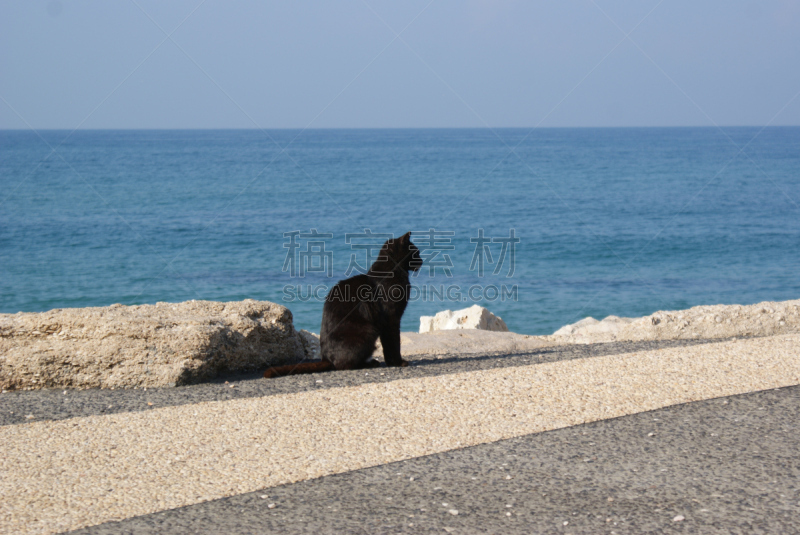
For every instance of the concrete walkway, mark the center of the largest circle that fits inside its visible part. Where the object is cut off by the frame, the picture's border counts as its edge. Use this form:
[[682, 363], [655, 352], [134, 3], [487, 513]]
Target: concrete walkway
[[132, 464], [722, 466]]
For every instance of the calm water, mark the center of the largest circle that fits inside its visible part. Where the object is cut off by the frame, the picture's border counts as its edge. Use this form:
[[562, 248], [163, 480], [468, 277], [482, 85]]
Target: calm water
[[610, 221]]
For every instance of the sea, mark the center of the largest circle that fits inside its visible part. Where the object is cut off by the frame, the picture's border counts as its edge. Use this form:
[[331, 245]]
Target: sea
[[541, 226]]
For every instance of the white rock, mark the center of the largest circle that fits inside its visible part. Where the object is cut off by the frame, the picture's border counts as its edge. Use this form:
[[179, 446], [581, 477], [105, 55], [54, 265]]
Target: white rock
[[575, 327], [589, 326], [474, 317]]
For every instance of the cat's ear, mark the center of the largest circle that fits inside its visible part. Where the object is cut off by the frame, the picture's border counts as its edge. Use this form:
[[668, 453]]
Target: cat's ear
[[405, 238]]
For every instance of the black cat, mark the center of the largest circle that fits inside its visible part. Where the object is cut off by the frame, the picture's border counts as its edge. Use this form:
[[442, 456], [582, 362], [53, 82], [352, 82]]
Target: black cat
[[361, 309]]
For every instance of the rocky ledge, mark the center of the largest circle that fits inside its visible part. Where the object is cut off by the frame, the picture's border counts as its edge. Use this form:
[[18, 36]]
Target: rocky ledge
[[700, 322], [182, 343], [146, 345], [441, 335]]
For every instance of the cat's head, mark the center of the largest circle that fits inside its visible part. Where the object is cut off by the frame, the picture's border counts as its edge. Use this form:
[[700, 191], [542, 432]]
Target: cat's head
[[397, 254], [404, 253]]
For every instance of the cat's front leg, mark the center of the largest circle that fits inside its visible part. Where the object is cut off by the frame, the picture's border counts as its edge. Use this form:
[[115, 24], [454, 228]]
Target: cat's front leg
[[390, 340], [372, 363]]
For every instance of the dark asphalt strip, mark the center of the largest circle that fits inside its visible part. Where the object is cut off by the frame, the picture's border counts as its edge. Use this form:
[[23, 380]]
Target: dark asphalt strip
[[34, 405], [727, 465]]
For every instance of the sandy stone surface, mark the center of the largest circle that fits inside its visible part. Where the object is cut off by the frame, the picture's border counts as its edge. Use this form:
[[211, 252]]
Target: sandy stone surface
[[146, 345], [701, 322], [465, 342], [89, 470], [698, 323]]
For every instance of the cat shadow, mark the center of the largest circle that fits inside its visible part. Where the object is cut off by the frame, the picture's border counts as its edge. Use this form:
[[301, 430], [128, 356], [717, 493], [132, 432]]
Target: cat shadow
[[434, 360], [424, 362]]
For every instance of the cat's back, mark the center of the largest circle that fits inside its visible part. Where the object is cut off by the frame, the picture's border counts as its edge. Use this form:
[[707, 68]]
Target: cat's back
[[347, 312], [346, 295]]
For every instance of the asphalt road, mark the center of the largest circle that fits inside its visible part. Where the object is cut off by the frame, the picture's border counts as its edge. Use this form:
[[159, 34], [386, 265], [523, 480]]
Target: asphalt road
[[726, 465]]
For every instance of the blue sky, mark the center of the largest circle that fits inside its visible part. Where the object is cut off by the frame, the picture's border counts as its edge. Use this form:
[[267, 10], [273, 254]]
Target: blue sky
[[473, 63]]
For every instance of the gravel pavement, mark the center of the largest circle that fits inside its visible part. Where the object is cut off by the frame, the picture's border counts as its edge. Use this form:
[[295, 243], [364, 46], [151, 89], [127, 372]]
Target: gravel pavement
[[727, 465], [36, 405], [91, 467]]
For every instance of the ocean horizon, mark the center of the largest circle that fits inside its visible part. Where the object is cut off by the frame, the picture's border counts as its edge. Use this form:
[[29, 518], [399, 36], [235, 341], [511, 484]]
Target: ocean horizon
[[588, 222]]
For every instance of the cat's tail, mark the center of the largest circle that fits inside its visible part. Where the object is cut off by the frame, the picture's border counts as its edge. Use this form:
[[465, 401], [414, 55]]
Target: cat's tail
[[296, 369]]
